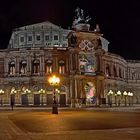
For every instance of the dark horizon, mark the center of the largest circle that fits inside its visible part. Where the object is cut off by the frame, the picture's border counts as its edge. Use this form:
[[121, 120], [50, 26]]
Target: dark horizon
[[119, 21]]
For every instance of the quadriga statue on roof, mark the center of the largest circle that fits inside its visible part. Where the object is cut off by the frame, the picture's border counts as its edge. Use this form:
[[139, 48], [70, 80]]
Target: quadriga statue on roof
[[79, 17]]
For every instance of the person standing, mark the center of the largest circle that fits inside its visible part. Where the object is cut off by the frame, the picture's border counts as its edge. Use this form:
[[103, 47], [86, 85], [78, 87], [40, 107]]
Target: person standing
[[12, 104]]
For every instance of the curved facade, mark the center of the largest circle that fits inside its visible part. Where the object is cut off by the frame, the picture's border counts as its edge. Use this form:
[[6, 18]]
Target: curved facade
[[89, 74]]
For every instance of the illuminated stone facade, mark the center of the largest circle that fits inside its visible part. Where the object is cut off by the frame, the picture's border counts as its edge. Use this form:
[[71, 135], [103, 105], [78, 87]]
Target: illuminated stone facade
[[80, 58]]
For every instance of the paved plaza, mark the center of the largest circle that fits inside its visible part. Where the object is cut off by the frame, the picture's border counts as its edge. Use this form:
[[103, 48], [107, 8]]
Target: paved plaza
[[69, 124]]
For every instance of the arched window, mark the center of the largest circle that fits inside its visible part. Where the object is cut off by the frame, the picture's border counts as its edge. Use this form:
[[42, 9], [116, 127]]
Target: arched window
[[48, 66], [61, 67], [120, 73], [36, 66], [23, 67], [114, 71], [12, 68], [124, 73], [108, 70]]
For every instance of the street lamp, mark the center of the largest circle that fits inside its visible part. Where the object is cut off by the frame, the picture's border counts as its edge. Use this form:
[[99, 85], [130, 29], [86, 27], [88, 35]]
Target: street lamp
[[125, 95], [132, 97], [27, 91], [1, 93], [13, 92], [110, 93], [115, 99], [26, 96], [130, 94], [54, 81], [41, 91], [119, 94]]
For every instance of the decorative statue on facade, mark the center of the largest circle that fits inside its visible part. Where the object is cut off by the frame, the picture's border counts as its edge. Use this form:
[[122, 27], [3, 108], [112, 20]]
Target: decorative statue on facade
[[79, 17], [73, 40]]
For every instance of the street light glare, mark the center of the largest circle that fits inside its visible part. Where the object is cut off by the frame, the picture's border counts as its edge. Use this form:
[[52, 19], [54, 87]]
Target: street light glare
[[118, 93], [54, 80], [125, 93], [110, 92], [1, 91]]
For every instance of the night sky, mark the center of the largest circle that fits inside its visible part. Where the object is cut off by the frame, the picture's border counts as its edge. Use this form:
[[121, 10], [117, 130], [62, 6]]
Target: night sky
[[119, 20]]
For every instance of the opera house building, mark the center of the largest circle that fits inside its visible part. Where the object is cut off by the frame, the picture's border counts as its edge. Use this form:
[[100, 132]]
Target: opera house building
[[89, 74]]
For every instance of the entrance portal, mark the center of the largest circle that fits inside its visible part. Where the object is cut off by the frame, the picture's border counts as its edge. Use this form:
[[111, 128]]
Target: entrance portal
[[24, 99], [49, 99], [62, 99], [36, 99]]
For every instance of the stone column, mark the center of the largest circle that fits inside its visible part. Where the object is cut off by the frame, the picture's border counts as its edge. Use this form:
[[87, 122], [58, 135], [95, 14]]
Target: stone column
[[71, 62], [111, 69], [6, 67], [29, 65], [43, 64], [17, 66], [99, 61], [100, 89], [72, 92], [83, 93], [67, 65], [76, 62], [76, 92]]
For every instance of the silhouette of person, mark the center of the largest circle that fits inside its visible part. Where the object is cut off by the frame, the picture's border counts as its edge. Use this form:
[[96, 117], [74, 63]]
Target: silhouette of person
[[12, 104]]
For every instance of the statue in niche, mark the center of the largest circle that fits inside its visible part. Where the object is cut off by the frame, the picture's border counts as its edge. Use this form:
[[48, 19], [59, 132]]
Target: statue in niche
[[22, 70], [12, 69], [79, 17]]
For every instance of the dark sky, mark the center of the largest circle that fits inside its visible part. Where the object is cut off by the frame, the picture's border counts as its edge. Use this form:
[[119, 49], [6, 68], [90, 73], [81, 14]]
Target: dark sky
[[119, 20]]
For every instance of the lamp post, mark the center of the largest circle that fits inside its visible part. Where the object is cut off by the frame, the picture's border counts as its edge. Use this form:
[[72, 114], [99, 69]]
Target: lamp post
[[54, 81], [115, 99], [125, 95], [13, 92], [1, 93], [41, 91], [132, 97], [130, 94], [27, 93], [110, 93], [119, 94]]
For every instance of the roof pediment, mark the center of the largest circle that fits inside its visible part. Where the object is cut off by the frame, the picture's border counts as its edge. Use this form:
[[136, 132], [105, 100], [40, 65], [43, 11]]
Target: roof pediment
[[42, 25]]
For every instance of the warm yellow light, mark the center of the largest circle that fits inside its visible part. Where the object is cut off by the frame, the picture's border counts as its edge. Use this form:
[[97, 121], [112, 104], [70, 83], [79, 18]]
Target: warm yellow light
[[130, 94], [13, 91], [110, 92], [1, 91], [27, 91], [54, 80], [41, 91], [57, 90], [118, 93], [124, 93]]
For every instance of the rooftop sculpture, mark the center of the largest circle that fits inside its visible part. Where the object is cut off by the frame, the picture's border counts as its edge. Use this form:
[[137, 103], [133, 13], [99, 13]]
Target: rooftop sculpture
[[79, 17]]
